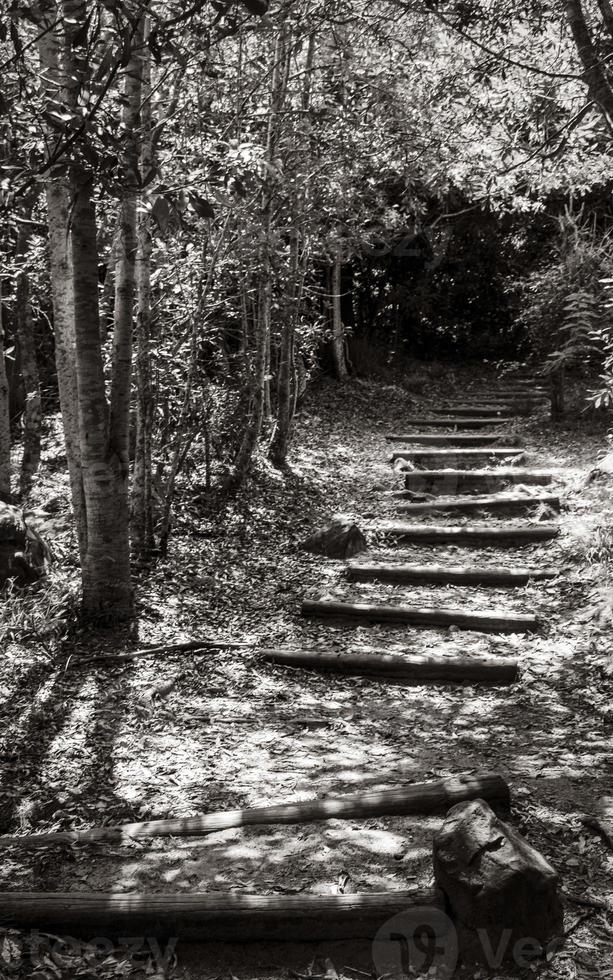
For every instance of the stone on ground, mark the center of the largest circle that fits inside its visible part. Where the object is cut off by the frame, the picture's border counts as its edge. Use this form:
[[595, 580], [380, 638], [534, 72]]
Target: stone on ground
[[340, 539], [502, 895]]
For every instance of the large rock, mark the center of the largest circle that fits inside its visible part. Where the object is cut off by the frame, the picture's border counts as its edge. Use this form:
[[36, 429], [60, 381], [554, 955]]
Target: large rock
[[340, 539], [502, 895], [22, 551]]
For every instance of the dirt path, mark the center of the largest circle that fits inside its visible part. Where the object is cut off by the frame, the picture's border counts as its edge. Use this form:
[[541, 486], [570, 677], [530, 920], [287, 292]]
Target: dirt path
[[86, 745]]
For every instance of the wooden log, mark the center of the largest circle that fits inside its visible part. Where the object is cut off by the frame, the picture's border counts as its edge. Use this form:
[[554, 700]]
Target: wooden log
[[488, 575], [495, 502], [495, 534], [450, 421], [496, 621], [214, 917], [442, 456], [459, 481], [411, 798], [476, 411], [541, 394], [407, 668], [456, 438]]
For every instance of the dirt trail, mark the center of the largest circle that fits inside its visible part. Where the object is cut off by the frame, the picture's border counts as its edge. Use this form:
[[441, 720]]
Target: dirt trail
[[85, 745]]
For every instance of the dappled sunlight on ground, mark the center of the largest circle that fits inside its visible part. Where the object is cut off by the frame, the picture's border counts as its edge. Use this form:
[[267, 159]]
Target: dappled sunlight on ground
[[108, 744]]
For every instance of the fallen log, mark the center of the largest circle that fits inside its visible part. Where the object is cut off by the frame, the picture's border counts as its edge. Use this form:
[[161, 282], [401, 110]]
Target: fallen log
[[456, 456], [406, 668], [491, 503], [457, 438], [413, 798], [215, 917], [453, 481], [497, 534], [488, 575], [497, 621]]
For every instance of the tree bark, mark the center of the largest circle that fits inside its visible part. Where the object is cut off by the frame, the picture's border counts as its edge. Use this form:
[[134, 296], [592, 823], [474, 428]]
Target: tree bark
[[414, 669], [424, 798], [338, 330], [485, 622], [5, 420], [32, 417], [105, 569]]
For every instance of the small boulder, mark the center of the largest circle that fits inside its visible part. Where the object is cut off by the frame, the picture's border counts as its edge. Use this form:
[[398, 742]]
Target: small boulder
[[340, 539], [502, 895]]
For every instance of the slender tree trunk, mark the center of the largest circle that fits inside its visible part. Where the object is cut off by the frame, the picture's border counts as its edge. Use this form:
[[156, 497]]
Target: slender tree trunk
[[106, 579], [5, 427], [278, 449], [32, 417], [264, 306], [338, 329]]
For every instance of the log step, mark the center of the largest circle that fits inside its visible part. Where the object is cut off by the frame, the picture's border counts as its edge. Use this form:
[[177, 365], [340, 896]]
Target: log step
[[456, 455], [458, 481], [407, 668], [409, 798], [477, 411], [511, 393], [487, 575], [453, 422], [216, 916], [492, 503], [455, 438], [496, 534], [485, 622]]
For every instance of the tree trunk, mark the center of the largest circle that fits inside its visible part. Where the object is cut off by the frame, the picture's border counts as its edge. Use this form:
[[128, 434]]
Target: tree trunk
[[261, 354], [32, 417], [338, 329], [107, 589], [5, 420], [594, 74]]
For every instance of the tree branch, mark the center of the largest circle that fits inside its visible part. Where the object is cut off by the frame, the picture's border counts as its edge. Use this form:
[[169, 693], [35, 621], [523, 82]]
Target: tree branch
[[594, 75]]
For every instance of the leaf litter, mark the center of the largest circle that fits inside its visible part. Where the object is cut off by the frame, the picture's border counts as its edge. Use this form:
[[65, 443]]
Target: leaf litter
[[167, 736]]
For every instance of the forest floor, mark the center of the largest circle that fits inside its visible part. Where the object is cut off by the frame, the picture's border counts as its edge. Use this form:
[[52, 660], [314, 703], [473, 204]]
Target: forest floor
[[181, 735]]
